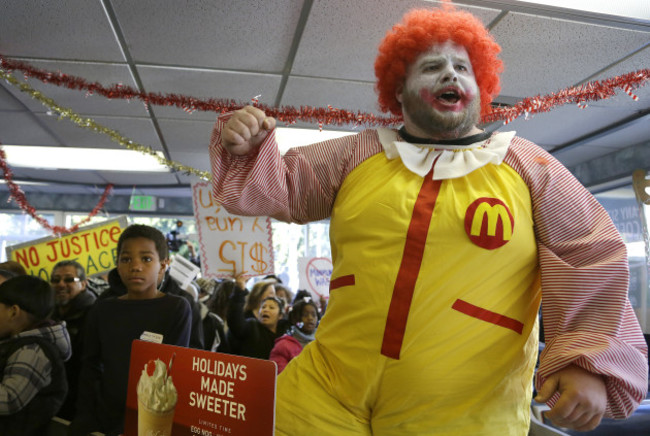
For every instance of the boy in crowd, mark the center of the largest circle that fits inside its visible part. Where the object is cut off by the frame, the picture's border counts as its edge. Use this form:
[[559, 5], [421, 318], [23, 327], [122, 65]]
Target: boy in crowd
[[166, 285], [114, 323], [32, 352]]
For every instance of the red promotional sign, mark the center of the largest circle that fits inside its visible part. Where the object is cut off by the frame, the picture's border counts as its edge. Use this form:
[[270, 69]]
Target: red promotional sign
[[216, 394]]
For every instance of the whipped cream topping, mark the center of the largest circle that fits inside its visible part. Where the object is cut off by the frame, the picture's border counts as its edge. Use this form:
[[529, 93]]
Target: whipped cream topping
[[156, 391]]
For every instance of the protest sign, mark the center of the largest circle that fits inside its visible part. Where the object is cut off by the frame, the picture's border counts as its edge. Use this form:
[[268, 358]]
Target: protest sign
[[216, 394], [93, 246], [314, 275], [230, 244]]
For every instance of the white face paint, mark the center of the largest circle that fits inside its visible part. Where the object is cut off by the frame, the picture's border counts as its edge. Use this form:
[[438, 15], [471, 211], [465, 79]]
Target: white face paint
[[440, 98]]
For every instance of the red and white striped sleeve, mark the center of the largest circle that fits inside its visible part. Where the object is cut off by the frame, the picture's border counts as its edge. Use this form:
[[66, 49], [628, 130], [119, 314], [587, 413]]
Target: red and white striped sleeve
[[588, 319], [298, 187]]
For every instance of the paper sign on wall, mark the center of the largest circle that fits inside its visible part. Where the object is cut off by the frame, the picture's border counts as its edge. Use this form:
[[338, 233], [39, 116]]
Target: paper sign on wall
[[230, 244], [216, 394], [315, 274], [93, 246]]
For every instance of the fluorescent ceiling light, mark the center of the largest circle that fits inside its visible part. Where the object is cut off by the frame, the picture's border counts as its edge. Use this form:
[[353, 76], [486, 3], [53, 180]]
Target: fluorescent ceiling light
[[73, 158], [292, 137], [639, 9], [101, 159], [25, 182]]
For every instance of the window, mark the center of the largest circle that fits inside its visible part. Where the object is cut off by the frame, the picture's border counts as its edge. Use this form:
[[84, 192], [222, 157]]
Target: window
[[632, 221], [293, 241], [17, 227], [290, 241]]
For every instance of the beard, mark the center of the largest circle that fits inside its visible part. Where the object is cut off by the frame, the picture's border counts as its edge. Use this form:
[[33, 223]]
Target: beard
[[437, 124], [61, 300]]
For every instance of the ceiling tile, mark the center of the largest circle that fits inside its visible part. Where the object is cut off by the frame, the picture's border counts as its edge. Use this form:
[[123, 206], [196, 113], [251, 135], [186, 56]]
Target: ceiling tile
[[64, 29], [196, 160], [185, 136], [341, 37], [79, 101], [561, 125], [252, 35], [342, 94], [139, 130], [543, 55], [639, 61], [22, 128], [7, 100], [204, 84]]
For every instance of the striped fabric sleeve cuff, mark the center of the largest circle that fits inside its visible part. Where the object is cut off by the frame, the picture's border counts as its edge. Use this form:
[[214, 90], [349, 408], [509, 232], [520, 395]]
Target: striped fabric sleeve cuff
[[620, 363]]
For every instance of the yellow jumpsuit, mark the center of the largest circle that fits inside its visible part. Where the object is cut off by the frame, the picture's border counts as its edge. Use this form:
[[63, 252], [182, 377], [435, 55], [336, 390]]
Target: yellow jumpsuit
[[413, 344]]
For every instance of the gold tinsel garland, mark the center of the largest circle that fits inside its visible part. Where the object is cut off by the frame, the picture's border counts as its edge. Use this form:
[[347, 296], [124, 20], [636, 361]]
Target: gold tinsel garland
[[89, 123]]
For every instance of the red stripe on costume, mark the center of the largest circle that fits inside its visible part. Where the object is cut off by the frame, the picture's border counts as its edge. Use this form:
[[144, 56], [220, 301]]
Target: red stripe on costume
[[409, 270], [339, 282], [488, 316]]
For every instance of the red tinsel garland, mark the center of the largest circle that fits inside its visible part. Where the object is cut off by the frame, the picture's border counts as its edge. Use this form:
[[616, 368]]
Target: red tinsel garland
[[20, 199], [579, 95], [285, 114]]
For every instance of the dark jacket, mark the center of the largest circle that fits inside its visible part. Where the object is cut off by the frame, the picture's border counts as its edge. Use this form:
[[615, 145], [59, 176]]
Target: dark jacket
[[33, 418], [112, 326], [251, 338], [214, 334], [168, 286], [74, 319]]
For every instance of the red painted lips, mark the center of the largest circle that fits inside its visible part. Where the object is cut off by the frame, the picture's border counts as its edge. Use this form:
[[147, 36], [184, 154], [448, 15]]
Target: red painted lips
[[449, 98]]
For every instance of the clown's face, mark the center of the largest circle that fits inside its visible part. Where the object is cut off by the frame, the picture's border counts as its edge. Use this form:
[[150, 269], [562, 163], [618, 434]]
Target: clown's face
[[440, 98]]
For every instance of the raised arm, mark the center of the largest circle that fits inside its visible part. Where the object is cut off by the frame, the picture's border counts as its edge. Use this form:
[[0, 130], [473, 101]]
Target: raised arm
[[237, 323], [300, 186]]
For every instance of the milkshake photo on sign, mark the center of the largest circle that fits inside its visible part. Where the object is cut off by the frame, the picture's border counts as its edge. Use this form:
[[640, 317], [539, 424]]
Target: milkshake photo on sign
[[182, 391], [157, 398]]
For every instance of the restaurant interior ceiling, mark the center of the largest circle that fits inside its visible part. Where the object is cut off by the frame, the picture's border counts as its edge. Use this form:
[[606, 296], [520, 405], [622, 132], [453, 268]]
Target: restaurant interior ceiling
[[293, 53]]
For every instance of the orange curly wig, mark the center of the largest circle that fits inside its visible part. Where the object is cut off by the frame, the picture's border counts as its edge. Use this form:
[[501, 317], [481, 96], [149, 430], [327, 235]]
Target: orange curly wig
[[416, 33]]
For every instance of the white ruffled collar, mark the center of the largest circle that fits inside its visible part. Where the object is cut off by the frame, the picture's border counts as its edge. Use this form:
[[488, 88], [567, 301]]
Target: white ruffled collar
[[453, 160]]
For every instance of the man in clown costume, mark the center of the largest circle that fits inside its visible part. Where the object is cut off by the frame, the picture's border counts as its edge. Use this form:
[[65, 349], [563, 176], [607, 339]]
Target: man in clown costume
[[444, 240]]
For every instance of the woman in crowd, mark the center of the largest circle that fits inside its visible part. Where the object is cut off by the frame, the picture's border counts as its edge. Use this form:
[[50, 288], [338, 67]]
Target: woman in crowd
[[261, 290], [255, 337]]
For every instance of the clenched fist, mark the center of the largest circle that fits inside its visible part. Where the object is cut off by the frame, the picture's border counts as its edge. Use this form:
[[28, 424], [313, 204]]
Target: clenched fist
[[246, 130]]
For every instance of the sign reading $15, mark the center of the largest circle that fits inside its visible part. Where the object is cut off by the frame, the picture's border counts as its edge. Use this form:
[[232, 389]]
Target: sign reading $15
[[230, 244]]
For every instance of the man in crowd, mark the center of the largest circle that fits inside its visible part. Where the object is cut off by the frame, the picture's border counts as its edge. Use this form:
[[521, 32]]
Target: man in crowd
[[444, 240], [72, 301]]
